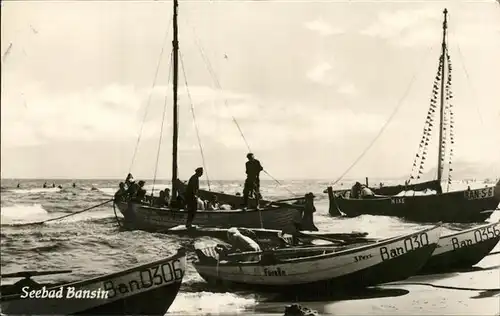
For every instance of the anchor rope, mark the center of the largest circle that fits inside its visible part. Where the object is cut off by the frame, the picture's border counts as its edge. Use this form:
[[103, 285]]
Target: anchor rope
[[161, 127], [394, 112], [212, 73], [61, 217], [194, 121], [150, 96]]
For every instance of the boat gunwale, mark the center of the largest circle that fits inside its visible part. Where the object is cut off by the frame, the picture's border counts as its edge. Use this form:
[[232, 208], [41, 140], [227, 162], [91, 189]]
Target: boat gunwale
[[468, 230], [237, 211], [180, 254], [324, 256]]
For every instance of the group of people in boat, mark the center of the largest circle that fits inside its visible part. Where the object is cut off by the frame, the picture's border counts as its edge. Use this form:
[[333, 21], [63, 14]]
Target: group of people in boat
[[192, 202]]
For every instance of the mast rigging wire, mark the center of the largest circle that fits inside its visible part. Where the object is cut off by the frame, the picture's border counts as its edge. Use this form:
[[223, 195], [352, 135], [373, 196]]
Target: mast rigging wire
[[150, 95], [194, 120], [162, 124], [218, 85], [400, 103]]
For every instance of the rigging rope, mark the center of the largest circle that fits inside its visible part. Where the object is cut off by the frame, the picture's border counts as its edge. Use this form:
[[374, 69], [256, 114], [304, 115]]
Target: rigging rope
[[218, 85], [150, 95], [194, 120], [386, 123], [444, 286], [162, 124]]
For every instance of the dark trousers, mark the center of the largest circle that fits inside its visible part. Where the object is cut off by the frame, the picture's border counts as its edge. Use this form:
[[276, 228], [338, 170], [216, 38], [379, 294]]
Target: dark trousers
[[251, 185], [191, 208]]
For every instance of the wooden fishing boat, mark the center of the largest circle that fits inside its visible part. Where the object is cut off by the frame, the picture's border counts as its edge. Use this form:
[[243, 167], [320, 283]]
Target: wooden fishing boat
[[464, 206], [147, 289], [143, 215], [320, 269], [454, 251], [463, 249]]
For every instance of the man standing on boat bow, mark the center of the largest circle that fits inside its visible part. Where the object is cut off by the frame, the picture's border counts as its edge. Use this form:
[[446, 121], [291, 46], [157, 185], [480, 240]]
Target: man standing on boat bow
[[252, 182], [191, 195]]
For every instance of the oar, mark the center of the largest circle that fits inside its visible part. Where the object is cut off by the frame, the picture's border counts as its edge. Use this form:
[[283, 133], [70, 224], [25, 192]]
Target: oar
[[289, 199], [281, 204], [282, 250], [27, 274]]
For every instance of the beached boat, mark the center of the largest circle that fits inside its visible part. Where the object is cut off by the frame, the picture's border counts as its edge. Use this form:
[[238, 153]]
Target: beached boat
[[464, 206], [454, 251], [320, 269], [463, 249], [147, 289], [142, 215]]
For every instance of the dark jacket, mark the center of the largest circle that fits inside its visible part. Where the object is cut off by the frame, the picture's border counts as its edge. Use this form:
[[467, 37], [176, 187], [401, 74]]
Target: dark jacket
[[253, 168], [192, 187]]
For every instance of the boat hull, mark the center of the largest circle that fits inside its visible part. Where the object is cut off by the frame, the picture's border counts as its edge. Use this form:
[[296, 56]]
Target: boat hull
[[463, 249], [467, 206], [148, 289], [385, 261], [139, 216]]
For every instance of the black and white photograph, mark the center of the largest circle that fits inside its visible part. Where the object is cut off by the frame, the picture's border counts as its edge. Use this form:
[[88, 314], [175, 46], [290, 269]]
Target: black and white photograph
[[250, 157]]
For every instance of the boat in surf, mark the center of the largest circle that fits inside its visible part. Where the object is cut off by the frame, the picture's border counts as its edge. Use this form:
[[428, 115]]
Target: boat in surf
[[147, 289], [145, 216], [466, 206], [319, 269]]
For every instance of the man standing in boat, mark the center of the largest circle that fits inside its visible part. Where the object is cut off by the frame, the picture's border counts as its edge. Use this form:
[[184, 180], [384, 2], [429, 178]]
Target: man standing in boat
[[252, 182], [191, 195]]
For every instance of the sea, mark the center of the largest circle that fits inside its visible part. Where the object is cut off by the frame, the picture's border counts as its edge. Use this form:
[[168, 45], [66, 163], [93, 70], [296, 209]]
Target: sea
[[91, 244]]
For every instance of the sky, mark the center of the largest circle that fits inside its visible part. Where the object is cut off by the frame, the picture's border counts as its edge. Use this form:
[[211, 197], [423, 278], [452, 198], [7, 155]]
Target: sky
[[311, 85]]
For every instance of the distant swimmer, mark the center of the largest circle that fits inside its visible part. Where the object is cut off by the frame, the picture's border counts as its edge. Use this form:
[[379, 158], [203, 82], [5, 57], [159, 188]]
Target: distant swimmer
[[45, 185], [74, 185], [59, 186], [18, 185], [53, 185]]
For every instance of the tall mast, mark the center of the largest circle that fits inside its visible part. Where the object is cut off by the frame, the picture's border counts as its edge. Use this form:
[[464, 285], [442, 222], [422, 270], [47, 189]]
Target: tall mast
[[175, 53], [441, 112]]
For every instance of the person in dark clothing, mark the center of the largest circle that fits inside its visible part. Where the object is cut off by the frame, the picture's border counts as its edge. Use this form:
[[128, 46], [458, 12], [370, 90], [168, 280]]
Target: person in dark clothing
[[191, 195], [129, 180], [74, 185], [252, 182], [45, 185], [121, 193], [307, 216], [141, 192]]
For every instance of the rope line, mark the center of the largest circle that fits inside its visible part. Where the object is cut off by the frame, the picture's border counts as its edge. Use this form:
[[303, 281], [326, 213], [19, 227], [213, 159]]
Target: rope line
[[218, 86], [64, 216], [194, 121], [149, 97], [217, 83], [385, 124], [162, 124], [445, 286]]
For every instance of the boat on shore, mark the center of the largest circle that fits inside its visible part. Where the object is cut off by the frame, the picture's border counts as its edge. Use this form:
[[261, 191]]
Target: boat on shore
[[143, 215], [147, 289], [466, 206], [320, 269], [454, 251], [463, 249]]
